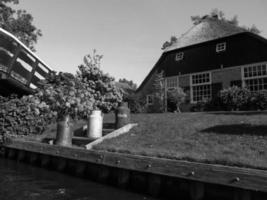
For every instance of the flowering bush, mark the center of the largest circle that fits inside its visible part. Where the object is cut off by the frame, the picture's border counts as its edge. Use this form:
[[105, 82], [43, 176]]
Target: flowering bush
[[101, 86], [258, 100], [235, 98], [66, 94], [24, 116], [59, 95]]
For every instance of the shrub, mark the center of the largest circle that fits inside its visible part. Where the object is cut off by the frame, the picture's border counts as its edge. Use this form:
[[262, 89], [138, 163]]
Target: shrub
[[176, 97], [258, 101], [101, 86], [136, 103], [66, 94], [215, 104], [199, 107], [58, 95], [158, 94], [24, 116], [235, 98]]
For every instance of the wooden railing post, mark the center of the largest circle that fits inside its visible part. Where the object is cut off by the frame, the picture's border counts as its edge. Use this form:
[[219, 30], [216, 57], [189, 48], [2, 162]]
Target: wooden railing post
[[32, 72], [13, 60]]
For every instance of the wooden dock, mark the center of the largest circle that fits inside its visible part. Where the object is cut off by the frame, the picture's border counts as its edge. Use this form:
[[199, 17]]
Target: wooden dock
[[153, 175]]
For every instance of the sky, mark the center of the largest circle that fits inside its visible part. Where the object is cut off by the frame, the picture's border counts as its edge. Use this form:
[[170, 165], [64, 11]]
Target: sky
[[128, 33]]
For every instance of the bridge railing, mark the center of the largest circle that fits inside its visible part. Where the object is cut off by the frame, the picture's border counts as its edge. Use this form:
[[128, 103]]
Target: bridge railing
[[18, 62]]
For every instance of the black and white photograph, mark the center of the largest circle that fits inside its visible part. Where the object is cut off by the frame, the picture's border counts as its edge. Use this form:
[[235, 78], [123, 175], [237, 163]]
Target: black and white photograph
[[133, 100]]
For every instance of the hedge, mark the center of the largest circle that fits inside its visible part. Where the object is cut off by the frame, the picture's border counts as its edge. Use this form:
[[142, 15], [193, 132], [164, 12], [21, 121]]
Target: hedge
[[23, 116]]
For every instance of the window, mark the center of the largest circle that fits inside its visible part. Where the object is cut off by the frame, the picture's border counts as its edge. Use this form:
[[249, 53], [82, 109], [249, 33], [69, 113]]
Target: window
[[172, 82], [220, 47], [179, 56], [149, 99], [255, 77], [200, 87]]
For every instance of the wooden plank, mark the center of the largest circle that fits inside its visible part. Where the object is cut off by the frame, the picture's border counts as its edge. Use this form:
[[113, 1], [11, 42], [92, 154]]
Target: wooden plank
[[27, 59], [35, 80], [32, 72], [113, 134], [250, 179], [13, 59], [4, 57], [41, 71], [6, 36], [19, 69]]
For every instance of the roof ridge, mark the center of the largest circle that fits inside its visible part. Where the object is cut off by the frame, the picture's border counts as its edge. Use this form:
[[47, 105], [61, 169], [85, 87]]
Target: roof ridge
[[210, 28]]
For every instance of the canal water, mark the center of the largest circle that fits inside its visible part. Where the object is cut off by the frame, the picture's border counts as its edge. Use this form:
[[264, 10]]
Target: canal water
[[19, 181]]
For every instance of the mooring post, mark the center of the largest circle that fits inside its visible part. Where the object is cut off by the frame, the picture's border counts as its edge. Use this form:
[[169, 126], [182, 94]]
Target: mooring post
[[197, 191], [122, 115]]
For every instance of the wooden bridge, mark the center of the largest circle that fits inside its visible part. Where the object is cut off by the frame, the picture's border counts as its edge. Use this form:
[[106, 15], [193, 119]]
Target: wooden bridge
[[20, 68]]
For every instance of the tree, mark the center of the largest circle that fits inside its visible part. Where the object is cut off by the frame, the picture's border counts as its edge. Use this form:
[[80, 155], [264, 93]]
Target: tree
[[102, 86], [216, 13], [19, 23], [176, 96], [136, 103], [131, 84], [127, 88], [158, 92]]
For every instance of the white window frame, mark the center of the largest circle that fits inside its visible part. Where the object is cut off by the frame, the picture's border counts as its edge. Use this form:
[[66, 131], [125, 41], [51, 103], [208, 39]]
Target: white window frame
[[221, 47], [149, 99], [251, 72], [192, 85], [179, 56]]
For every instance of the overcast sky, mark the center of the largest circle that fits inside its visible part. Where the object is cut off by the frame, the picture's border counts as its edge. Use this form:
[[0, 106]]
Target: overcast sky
[[129, 33]]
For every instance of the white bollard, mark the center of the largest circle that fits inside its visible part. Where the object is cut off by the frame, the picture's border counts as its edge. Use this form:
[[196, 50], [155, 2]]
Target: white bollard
[[95, 124]]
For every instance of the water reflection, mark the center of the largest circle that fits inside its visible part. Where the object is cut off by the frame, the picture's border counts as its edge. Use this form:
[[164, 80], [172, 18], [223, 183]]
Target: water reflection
[[24, 182]]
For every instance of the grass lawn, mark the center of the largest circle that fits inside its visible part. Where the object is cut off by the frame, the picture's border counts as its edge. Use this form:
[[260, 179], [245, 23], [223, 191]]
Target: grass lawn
[[237, 139]]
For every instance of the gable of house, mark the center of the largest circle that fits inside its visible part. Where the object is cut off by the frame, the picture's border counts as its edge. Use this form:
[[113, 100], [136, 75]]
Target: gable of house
[[198, 46]]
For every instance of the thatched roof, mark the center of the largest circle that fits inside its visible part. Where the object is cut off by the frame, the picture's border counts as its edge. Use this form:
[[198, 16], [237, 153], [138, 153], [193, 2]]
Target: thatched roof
[[210, 28]]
